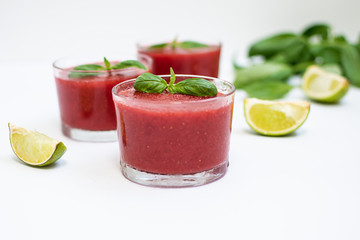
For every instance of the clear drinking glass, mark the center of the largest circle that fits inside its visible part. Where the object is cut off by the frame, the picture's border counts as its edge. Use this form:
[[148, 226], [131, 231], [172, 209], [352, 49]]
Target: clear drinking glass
[[173, 140], [85, 99], [192, 60]]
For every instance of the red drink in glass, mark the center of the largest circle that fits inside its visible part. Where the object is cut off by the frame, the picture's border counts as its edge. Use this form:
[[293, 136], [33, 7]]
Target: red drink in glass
[[86, 105], [198, 61], [173, 140]]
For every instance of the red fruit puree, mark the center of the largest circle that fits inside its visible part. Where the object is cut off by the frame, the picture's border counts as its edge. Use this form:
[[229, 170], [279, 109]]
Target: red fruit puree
[[86, 103], [173, 133], [198, 61]]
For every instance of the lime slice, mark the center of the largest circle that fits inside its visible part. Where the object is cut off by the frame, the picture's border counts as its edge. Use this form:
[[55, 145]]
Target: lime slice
[[35, 148], [323, 86], [275, 118]]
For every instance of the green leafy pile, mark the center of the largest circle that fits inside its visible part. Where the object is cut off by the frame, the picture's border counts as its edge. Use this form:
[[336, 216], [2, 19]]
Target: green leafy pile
[[87, 70], [176, 44], [288, 54]]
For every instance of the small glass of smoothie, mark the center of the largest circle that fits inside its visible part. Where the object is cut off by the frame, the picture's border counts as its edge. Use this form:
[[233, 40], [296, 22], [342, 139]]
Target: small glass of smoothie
[[186, 57], [85, 99], [173, 140]]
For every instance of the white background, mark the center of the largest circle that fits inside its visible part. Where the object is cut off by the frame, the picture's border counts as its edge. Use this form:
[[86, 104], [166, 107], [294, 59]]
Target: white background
[[304, 186]]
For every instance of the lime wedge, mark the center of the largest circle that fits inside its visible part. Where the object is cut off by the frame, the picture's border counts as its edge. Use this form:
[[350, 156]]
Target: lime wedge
[[323, 86], [35, 148], [275, 118]]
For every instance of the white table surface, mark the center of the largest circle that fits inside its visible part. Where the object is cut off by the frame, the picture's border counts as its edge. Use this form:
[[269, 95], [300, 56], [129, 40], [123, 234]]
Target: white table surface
[[304, 186]]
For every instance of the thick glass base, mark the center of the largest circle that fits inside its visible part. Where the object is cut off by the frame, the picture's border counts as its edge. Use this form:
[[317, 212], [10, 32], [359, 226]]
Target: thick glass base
[[89, 136], [179, 180]]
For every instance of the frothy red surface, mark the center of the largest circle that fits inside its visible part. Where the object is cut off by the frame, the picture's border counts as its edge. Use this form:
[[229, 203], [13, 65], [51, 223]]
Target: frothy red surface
[[163, 97]]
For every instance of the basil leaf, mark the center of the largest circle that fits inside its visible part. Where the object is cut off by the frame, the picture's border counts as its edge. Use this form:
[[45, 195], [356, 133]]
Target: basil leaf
[[172, 77], [296, 51], [301, 67], [157, 46], [340, 39], [174, 43], [171, 86], [86, 67], [267, 70], [196, 87], [107, 64], [74, 74], [350, 61], [90, 67], [191, 44], [268, 90], [329, 54], [129, 63], [270, 46], [236, 66], [321, 30], [150, 83]]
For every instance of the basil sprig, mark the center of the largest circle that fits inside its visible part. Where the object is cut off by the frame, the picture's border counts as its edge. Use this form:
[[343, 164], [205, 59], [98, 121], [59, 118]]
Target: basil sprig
[[159, 46], [93, 69], [176, 44], [268, 89], [129, 63], [289, 53], [150, 83]]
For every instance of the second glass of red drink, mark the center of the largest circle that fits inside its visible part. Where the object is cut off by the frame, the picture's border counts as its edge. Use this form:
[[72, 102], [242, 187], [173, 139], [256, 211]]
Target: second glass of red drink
[[84, 93], [185, 57]]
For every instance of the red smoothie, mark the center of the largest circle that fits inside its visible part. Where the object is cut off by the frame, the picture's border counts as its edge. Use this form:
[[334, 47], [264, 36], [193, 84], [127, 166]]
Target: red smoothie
[[86, 103], [172, 133], [198, 61]]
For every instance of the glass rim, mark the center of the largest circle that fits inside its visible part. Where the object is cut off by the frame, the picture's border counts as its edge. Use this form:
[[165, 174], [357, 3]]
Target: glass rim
[[55, 64], [209, 99], [147, 44]]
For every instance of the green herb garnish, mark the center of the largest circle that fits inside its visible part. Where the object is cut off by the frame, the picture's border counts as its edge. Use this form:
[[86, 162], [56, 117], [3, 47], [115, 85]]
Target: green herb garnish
[[86, 68], [287, 54], [107, 64], [191, 44], [265, 71], [322, 31], [158, 46], [350, 63], [150, 83], [129, 63], [176, 44], [93, 69]]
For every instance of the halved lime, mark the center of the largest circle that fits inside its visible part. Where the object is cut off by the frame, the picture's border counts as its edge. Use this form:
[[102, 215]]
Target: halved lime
[[275, 118], [34, 148], [323, 86]]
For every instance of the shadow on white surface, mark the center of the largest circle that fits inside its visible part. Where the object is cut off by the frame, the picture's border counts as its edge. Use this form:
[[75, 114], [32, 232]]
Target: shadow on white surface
[[58, 164]]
